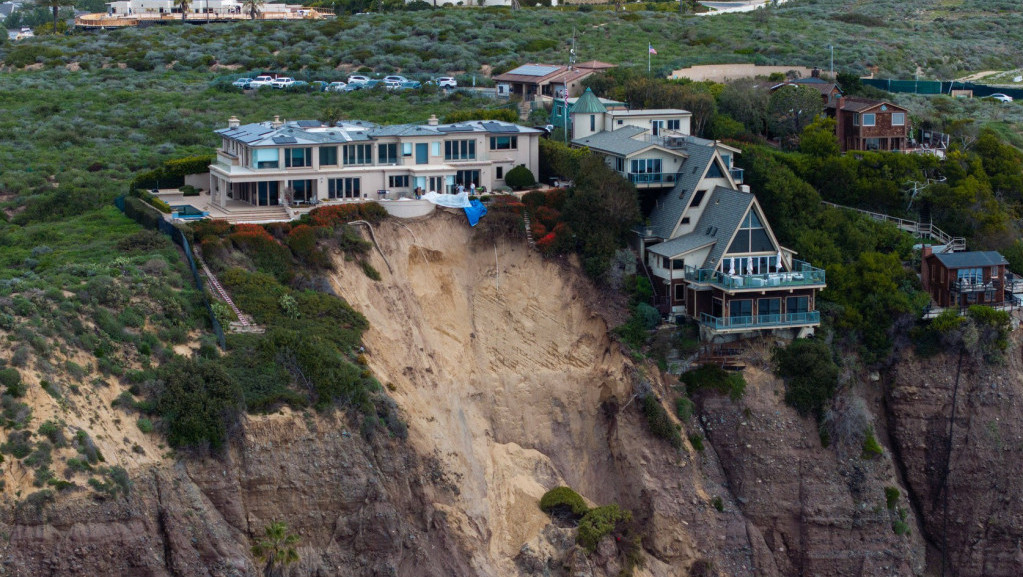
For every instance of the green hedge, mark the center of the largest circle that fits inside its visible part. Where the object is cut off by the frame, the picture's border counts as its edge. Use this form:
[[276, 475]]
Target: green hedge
[[563, 499], [599, 523]]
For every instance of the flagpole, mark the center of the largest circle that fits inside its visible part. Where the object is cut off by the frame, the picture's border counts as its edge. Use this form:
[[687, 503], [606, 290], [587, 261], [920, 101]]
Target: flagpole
[[648, 57]]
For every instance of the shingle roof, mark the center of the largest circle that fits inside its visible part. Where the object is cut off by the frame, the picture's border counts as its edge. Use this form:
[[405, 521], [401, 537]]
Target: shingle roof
[[671, 204], [682, 244], [619, 142], [973, 259], [313, 132], [723, 215], [588, 104], [853, 104]]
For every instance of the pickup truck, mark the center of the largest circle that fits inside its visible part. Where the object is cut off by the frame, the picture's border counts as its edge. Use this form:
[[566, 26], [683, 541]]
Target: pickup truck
[[282, 82], [261, 81]]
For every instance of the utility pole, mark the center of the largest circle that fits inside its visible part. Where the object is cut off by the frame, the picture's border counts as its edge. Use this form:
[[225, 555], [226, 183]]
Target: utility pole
[[832, 60]]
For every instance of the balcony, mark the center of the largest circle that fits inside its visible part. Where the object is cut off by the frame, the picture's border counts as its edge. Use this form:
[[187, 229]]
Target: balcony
[[651, 178], [761, 322], [736, 174], [802, 274], [965, 285]]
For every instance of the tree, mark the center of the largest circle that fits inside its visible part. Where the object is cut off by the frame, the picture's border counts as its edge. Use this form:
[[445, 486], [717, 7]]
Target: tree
[[519, 177], [791, 108], [818, 139], [184, 5], [253, 7], [55, 6], [746, 102], [276, 549]]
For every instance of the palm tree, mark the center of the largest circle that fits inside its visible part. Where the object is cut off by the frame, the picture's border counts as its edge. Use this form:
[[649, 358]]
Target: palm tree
[[277, 548], [55, 6], [184, 5], [253, 7]]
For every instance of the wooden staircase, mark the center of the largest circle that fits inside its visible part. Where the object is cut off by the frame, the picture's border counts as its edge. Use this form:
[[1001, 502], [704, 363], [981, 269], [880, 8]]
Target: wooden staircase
[[245, 323], [256, 214], [529, 229]]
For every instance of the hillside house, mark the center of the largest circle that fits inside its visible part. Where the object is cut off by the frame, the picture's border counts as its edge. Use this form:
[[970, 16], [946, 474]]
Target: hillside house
[[830, 92], [546, 80], [865, 124], [306, 162], [961, 279]]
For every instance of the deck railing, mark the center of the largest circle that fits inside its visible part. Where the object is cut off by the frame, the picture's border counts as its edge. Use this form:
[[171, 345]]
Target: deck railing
[[761, 321], [651, 177], [920, 229], [802, 274]]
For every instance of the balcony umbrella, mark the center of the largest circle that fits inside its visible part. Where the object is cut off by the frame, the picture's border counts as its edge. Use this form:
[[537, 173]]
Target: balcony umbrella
[[731, 266], [777, 267]]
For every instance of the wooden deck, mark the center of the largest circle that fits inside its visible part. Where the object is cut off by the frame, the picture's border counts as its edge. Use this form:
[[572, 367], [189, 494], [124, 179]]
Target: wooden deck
[[102, 20]]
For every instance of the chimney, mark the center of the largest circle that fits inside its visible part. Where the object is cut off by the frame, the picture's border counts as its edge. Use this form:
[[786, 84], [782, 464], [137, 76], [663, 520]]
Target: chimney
[[815, 73], [433, 120], [233, 122], [277, 122]]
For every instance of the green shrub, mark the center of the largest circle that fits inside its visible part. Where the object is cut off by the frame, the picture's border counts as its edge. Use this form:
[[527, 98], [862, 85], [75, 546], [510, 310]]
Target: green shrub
[[871, 448], [683, 408], [563, 501], [659, 422], [10, 378], [900, 527], [198, 400], [145, 425], [891, 497], [696, 440], [519, 177], [714, 378], [810, 375], [718, 504], [600, 522]]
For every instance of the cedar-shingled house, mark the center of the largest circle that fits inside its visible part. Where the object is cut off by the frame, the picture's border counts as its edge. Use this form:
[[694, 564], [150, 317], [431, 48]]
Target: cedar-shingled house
[[865, 124], [961, 279]]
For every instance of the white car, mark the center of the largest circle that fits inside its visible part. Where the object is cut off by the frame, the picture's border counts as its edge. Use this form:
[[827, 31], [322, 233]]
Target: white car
[[446, 82], [282, 82], [357, 79], [395, 79], [335, 87], [261, 81], [1001, 97], [242, 83]]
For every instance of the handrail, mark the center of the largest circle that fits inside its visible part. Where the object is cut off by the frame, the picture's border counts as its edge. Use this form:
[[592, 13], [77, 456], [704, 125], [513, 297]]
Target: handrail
[[918, 228]]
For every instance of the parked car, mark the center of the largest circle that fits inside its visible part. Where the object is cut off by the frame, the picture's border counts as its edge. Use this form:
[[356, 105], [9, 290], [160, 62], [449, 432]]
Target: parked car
[[242, 83], [319, 85], [335, 87], [282, 82], [395, 78], [352, 87], [261, 81], [1001, 97], [446, 82], [392, 85], [357, 79], [411, 85]]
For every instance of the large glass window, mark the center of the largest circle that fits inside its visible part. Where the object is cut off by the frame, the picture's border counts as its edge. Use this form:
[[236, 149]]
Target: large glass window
[[743, 308], [467, 177], [298, 157], [406, 149], [266, 158], [751, 236], [769, 308], [970, 275], [459, 150], [301, 190], [328, 156], [504, 142], [674, 124], [797, 305], [344, 188], [646, 166], [397, 181], [715, 171], [387, 153], [358, 154]]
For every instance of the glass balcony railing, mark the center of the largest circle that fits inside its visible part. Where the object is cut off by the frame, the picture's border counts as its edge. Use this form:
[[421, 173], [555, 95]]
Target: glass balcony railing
[[651, 177], [802, 274], [761, 321]]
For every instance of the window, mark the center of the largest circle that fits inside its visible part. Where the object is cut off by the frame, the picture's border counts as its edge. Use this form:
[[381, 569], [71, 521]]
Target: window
[[646, 166], [620, 164], [674, 124], [387, 153], [301, 189], [406, 149], [459, 150], [621, 122], [656, 126], [500, 172], [868, 119], [467, 177], [970, 275], [715, 171], [298, 157], [698, 198], [743, 308], [435, 148], [593, 123], [751, 237], [265, 158], [680, 292], [344, 188], [768, 308], [398, 181], [358, 154], [685, 220], [797, 305], [727, 159], [328, 156], [898, 119], [856, 119], [504, 142]]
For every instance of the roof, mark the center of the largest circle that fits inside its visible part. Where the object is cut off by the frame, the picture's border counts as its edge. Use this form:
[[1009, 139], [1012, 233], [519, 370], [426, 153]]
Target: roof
[[681, 245], [854, 104], [672, 203], [973, 259], [313, 132], [588, 104], [825, 88], [544, 73], [618, 142], [652, 112], [722, 216]]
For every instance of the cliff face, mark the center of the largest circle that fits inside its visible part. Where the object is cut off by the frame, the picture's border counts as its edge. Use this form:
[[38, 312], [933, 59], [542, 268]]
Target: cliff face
[[968, 491], [510, 385]]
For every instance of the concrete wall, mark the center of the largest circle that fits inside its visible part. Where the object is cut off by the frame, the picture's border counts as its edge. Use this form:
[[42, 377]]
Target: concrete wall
[[201, 181], [726, 72]]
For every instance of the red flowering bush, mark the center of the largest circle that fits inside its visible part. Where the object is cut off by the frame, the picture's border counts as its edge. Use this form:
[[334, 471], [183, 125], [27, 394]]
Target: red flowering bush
[[548, 216], [338, 214], [205, 228], [538, 230], [266, 253], [302, 241]]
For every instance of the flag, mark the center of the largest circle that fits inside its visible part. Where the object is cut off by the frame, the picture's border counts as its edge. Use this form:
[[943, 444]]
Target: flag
[[650, 47]]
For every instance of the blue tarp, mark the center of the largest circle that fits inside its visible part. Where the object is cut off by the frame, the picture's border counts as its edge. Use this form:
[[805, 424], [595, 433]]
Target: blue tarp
[[475, 211]]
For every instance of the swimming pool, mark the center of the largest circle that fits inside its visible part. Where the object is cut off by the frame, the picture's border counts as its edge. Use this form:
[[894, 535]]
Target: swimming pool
[[187, 212]]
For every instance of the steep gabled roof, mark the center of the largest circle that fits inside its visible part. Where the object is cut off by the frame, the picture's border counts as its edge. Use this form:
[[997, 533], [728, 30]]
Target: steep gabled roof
[[724, 213], [618, 142], [673, 203], [588, 104]]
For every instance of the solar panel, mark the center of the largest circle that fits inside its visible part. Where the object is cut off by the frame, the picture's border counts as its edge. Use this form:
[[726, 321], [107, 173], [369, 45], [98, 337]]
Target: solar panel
[[534, 70], [309, 123], [498, 127], [284, 140]]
